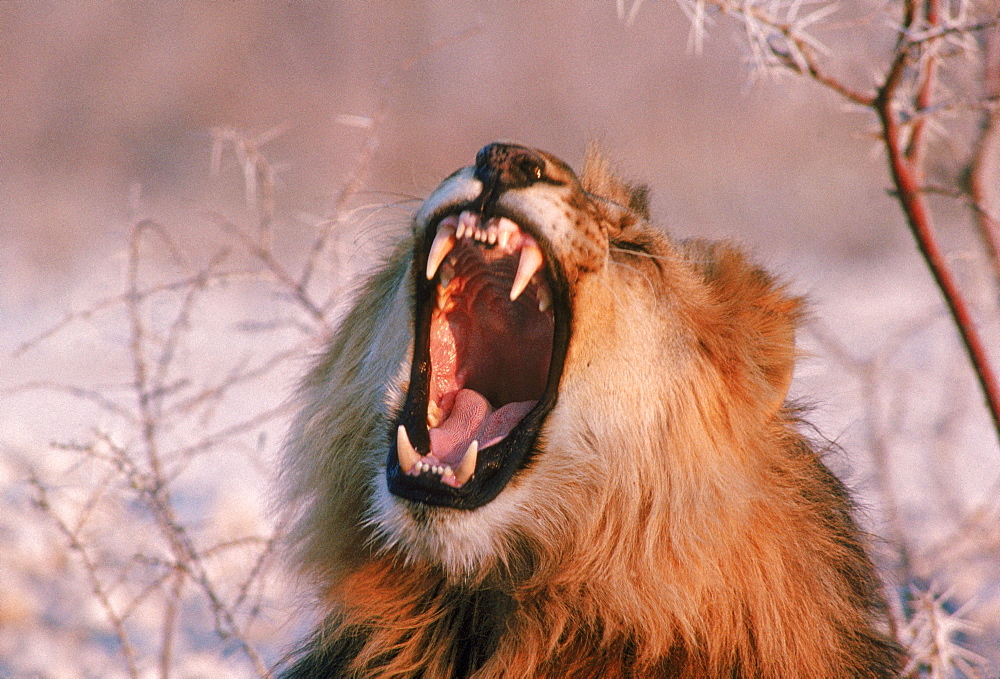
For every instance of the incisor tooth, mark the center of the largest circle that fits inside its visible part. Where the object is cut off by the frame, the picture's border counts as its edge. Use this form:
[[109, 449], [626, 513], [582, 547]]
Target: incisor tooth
[[467, 223], [506, 230], [405, 453], [444, 241], [467, 466], [530, 262]]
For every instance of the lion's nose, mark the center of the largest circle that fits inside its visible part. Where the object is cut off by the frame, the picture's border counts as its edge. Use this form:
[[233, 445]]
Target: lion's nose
[[507, 166]]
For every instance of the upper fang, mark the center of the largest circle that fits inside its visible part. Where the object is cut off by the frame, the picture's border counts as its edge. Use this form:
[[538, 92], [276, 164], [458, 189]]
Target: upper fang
[[444, 241], [530, 262]]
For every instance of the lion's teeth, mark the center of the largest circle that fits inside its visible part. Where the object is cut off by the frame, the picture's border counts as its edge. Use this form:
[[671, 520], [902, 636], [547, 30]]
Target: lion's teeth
[[405, 453], [530, 262], [467, 224], [447, 273], [467, 466], [506, 229], [444, 241], [433, 415], [544, 298]]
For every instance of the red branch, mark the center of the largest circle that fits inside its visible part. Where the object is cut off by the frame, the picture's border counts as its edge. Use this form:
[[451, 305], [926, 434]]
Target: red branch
[[906, 165]]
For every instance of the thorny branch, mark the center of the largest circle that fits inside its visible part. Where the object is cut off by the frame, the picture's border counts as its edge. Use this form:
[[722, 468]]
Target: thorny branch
[[903, 111], [907, 172], [907, 100]]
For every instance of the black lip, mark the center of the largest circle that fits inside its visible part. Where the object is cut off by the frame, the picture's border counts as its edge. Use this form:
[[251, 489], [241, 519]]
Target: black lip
[[497, 464]]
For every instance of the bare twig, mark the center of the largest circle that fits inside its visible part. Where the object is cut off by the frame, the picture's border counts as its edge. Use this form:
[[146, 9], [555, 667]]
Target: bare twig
[[869, 374], [987, 219], [91, 570], [275, 267]]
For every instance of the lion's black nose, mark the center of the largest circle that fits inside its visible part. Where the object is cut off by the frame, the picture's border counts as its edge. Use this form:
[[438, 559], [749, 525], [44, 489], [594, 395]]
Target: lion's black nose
[[507, 166]]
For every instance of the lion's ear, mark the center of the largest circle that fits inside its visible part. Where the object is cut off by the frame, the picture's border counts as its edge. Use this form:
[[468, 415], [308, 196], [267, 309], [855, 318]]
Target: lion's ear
[[750, 337], [599, 178]]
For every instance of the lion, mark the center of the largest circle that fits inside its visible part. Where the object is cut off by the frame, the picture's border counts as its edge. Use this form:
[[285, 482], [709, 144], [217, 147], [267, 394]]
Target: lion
[[549, 441]]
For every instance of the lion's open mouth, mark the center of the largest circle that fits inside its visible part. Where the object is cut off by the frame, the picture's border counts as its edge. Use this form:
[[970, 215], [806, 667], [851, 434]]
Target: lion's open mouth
[[488, 352]]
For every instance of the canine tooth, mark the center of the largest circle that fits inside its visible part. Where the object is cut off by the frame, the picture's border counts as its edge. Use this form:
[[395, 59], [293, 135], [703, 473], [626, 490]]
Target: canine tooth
[[544, 298], [530, 262], [467, 466], [444, 241], [405, 453]]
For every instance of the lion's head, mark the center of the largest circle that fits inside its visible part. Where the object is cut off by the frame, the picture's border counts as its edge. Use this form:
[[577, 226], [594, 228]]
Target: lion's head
[[535, 351], [548, 436]]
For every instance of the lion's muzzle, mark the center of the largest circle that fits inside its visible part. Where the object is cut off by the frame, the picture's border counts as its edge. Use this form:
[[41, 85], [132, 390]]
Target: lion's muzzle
[[489, 307]]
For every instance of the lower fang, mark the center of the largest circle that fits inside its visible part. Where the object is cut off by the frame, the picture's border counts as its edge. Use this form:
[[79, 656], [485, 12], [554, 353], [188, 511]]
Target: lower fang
[[467, 467], [405, 452]]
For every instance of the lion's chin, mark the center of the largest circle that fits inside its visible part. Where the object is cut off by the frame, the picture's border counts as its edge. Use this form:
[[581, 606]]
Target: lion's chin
[[464, 545], [491, 322]]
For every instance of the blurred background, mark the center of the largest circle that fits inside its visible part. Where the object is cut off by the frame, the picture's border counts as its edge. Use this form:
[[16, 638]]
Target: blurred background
[[163, 165]]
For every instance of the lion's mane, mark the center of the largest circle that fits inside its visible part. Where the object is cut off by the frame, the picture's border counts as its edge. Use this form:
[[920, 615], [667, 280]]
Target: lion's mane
[[673, 523]]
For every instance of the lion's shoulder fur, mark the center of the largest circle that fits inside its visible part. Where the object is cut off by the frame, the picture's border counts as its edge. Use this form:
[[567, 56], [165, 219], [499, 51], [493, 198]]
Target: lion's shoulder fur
[[676, 523]]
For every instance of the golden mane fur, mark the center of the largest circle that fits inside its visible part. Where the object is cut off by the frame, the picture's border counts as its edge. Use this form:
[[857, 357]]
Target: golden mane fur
[[673, 523]]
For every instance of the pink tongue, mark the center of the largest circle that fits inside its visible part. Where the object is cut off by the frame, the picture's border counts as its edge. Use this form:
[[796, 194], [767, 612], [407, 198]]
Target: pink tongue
[[472, 417]]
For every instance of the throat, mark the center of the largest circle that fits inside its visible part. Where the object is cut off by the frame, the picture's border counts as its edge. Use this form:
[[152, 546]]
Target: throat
[[489, 354]]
